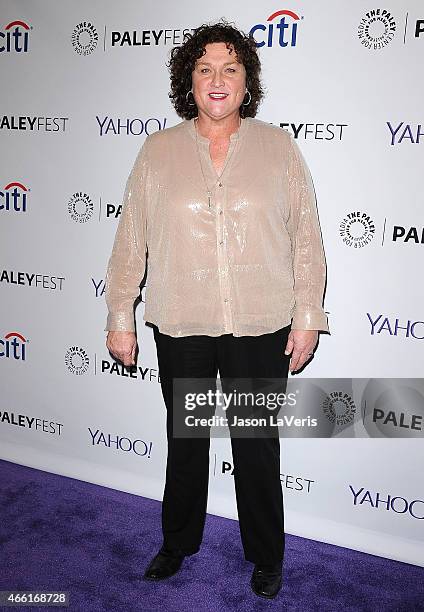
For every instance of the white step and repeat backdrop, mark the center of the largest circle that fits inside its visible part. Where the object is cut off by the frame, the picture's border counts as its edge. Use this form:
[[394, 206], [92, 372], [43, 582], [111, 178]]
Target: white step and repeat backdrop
[[83, 83]]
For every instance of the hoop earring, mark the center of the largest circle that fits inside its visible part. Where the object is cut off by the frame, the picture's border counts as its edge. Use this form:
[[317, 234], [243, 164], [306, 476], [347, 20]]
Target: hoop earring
[[190, 103], [250, 98]]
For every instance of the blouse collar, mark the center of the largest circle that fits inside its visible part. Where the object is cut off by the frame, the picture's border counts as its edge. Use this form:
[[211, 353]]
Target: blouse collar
[[234, 136]]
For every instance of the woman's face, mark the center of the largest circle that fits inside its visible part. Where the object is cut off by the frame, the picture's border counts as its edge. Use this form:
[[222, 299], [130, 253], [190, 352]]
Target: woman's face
[[218, 82]]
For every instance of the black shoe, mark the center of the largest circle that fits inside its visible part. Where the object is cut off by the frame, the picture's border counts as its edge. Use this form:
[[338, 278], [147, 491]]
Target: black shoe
[[266, 579], [166, 563]]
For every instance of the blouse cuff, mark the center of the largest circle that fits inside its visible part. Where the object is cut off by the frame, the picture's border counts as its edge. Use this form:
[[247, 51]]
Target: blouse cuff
[[121, 321], [310, 318]]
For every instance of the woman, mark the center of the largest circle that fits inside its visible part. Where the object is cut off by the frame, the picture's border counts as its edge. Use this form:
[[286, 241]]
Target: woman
[[224, 205]]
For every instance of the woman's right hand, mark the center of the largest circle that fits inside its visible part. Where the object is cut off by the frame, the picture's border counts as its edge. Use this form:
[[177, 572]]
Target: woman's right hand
[[122, 345]]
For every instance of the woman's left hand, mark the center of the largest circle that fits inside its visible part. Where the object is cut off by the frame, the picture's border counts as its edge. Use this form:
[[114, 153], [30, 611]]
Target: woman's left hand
[[302, 342]]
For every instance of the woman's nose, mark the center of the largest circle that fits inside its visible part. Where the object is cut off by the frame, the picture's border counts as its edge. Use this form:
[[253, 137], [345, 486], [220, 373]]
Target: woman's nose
[[217, 79]]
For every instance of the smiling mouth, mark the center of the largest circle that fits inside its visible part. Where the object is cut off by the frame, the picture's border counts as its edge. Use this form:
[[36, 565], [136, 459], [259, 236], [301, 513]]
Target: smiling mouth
[[217, 96]]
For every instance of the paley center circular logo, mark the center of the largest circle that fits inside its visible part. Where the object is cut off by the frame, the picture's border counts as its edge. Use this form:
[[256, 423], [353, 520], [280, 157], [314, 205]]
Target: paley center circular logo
[[80, 207], [84, 38], [357, 229], [376, 29], [77, 360], [339, 408]]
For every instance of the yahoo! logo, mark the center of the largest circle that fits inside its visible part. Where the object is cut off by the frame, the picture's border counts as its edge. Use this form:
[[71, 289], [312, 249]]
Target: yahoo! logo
[[14, 197], [405, 131], [15, 39], [13, 346], [281, 26], [397, 504], [396, 327], [129, 127], [118, 442]]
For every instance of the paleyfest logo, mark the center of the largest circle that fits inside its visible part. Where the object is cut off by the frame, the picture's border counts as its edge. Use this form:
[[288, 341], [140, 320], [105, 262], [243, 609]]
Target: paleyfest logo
[[85, 37], [357, 229], [15, 38], [377, 29], [270, 37]]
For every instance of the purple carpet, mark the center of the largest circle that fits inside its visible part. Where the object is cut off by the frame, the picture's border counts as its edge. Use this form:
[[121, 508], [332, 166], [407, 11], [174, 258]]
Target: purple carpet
[[64, 534]]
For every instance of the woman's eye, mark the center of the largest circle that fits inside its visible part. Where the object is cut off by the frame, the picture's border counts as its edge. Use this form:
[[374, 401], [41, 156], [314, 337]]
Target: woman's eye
[[203, 70]]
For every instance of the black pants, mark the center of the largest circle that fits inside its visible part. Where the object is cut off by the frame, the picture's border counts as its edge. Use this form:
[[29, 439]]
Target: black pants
[[256, 460]]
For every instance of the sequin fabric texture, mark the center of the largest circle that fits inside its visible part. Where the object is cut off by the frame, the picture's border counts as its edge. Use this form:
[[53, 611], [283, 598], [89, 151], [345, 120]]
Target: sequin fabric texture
[[248, 264]]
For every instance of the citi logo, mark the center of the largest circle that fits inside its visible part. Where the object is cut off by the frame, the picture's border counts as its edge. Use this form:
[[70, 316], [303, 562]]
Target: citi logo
[[14, 197], [13, 346], [15, 37], [286, 33]]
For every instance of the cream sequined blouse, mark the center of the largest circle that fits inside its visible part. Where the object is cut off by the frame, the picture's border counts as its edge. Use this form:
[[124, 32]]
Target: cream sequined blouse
[[249, 263]]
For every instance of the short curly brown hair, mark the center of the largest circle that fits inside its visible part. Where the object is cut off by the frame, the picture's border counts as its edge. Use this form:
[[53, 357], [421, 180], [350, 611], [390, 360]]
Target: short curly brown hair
[[183, 59]]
